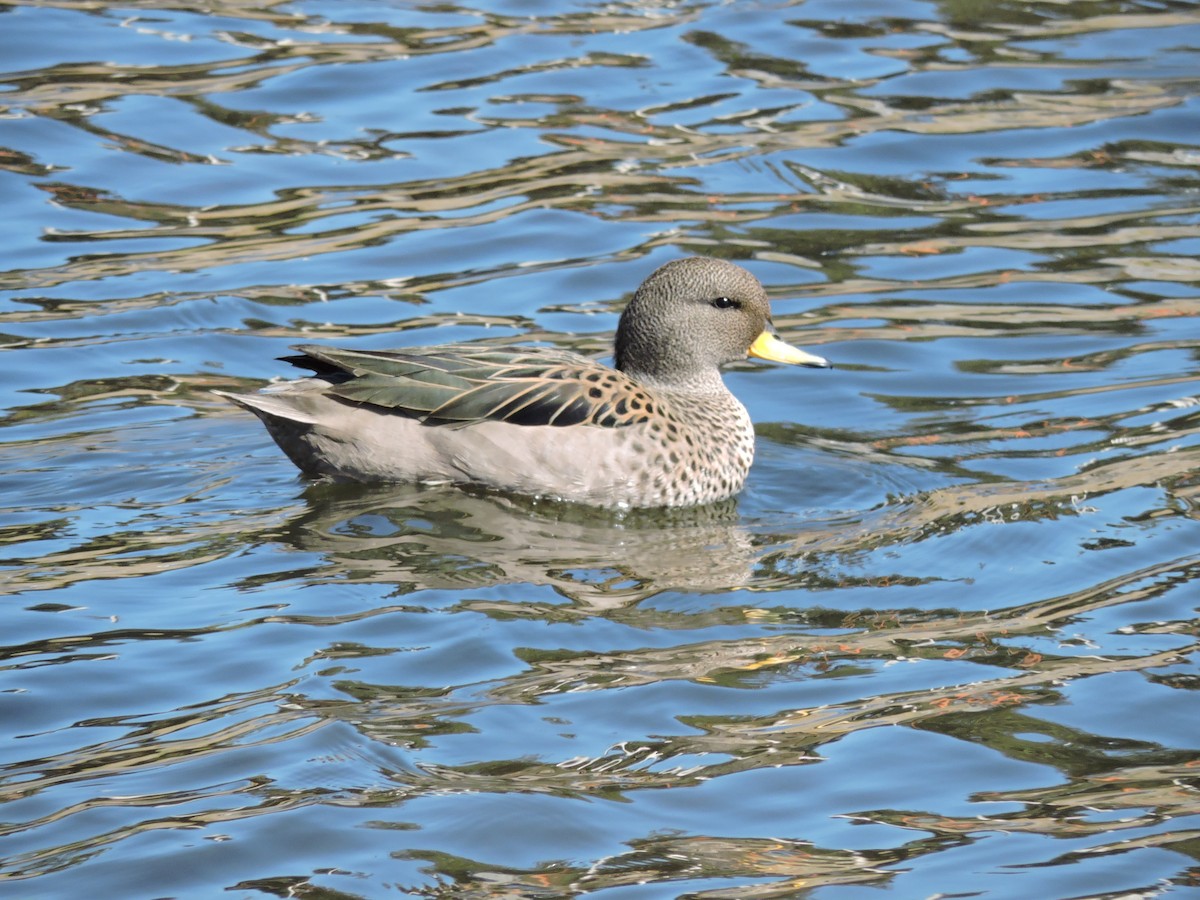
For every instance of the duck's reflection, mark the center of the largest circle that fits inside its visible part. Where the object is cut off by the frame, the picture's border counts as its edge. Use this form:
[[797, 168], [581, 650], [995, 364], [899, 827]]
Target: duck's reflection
[[426, 537]]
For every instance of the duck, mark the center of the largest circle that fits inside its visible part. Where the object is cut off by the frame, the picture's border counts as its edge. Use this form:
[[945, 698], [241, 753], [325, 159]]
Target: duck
[[658, 429]]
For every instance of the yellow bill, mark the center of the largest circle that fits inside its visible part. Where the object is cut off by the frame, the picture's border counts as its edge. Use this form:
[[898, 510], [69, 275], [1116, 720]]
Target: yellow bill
[[768, 346]]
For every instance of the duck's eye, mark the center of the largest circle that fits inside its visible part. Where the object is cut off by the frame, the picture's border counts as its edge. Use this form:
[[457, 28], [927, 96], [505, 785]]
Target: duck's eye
[[725, 303]]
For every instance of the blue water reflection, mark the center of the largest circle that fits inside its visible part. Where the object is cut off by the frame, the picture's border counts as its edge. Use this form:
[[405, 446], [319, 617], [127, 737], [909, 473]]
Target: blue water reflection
[[942, 643]]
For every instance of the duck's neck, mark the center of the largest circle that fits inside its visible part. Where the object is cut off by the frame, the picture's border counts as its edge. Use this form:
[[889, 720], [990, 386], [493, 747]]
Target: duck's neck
[[703, 383]]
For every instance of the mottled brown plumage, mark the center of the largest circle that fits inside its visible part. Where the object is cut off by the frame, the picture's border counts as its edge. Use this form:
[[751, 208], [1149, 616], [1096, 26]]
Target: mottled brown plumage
[[659, 430]]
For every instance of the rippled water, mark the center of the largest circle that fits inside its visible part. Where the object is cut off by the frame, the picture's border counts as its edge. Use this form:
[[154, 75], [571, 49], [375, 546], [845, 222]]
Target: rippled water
[[943, 644]]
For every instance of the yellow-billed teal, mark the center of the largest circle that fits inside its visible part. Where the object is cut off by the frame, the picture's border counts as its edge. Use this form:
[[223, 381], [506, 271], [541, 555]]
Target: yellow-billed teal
[[661, 429]]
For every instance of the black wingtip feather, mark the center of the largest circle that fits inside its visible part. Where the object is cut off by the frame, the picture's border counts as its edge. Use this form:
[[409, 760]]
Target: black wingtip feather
[[318, 367]]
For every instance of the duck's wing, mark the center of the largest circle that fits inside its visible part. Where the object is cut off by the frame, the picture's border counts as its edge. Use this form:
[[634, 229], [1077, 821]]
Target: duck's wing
[[461, 384]]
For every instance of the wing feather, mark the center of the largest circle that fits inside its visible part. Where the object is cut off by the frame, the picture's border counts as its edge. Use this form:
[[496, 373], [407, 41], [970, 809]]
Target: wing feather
[[459, 384]]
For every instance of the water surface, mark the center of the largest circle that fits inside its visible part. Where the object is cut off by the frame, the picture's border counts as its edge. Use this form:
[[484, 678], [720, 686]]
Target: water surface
[[944, 643]]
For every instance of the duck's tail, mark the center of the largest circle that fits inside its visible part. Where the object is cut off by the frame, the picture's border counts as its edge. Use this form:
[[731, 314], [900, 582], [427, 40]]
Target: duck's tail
[[273, 405]]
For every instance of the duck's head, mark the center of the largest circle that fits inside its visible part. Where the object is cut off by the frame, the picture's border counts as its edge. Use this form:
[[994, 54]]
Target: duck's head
[[691, 316]]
